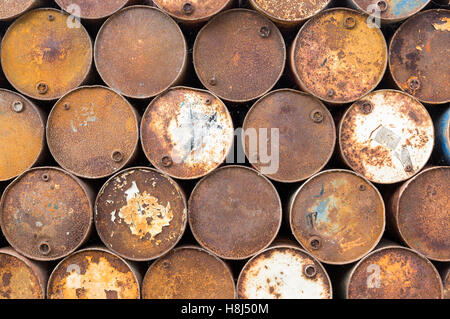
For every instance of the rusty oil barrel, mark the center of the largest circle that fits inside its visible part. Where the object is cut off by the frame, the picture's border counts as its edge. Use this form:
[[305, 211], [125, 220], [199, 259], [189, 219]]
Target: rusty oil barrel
[[337, 57], [94, 273], [389, 11], [445, 274], [140, 52], [188, 272], [392, 272], [43, 57], [239, 55], [22, 131], [234, 212], [13, 9], [387, 136], [289, 14], [21, 278], [338, 216], [193, 12], [306, 130], [419, 213], [442, 126], [140, 213], [284, 272], [93, 132], [93, 9], [186, 132], [46, 213], [418, 56]]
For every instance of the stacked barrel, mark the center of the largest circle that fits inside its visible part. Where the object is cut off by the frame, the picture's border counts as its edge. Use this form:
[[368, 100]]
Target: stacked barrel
[[224, 149]]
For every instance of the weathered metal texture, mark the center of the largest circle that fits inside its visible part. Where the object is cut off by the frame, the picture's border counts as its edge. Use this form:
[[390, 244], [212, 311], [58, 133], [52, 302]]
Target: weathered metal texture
[[186, 132], [337, 216], [43, 57], [46, 213], [93, 132], [234, 212], [20, 278], [337, 57], [390, 11], [442, 126], [92, 9], [10, 9], [419, 211], [289, 14], [284, 272], [188, 272], [387, 136], [93, 273], [22, 134], [193, 11], [446, 282], [140, 214], [393, 272], [140, 52], [419, 53], [307, 134], [239, 55]]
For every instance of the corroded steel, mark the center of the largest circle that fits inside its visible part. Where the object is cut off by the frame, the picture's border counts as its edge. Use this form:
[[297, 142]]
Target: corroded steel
[[188, 272], [387, 136], [420, 212], [446, 282], [193, 11], [93, 132], [239, 55], [93, 273], [418, 56], [337, 57], [307, 134], [43, 57], [22, 134], [234, 212], [289, 13], [186, 132], [46, 213], [284, 272], [20, 278], [337, 216], [10, 9], [92, 9], [140, 213], [443, 136], [140, 52], [393, 272], [390, 11]]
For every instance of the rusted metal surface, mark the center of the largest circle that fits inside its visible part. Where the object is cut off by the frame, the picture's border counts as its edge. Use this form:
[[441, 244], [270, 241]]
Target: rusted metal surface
[[20, 278], [93, 132], [10, 9], [394, 272], [140, 52], [93, 273], [43, 57], [390, 11], [443, 136], [337, 216], [289, 13], [140, 213], [92, 9], [193, 11], [239, 55], [387, 136], [234, 212], [46, 213], [420, 212], [446, 282], [284, 272], [307, 134], [186, 132], [419, 52], [21, 134], [337, 57], [188, 272]]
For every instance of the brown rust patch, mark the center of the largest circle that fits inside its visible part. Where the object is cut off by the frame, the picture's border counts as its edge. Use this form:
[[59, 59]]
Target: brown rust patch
[[46, 213], [446, 281], [93, 9], [88, 126], [239, 55], [10, 9], [188, 273], [419, 51]]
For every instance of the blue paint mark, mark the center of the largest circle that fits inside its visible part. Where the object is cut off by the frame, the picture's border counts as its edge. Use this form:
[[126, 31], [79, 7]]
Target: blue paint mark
[[320, 194], [322, 211], [182, 104], [442, 133], [405, 7]]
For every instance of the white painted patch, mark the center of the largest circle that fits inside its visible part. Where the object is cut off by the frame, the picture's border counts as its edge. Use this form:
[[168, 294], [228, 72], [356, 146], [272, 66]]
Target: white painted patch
[[132, 192], [113, 216]]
